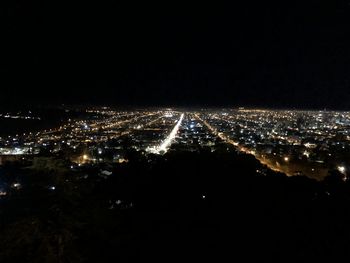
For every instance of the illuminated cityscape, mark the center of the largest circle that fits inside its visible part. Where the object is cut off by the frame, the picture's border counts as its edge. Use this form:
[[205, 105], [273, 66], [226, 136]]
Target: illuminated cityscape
[[162, 132], [309, 143], [100, 165]]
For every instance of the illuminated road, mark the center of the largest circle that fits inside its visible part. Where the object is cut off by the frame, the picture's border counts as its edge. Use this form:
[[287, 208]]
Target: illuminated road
[[258, 156], [120, 123], [163, 148], [219, 134]]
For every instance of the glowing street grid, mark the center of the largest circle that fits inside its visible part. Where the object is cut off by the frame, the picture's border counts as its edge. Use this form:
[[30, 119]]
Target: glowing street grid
[[293, 142]]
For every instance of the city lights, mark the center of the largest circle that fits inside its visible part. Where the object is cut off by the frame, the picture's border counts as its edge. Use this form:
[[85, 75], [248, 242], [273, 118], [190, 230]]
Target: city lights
[[341, 169], [269, 135]]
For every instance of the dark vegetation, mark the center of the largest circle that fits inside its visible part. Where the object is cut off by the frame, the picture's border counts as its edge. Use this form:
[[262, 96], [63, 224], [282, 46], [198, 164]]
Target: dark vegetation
[[186, 206]]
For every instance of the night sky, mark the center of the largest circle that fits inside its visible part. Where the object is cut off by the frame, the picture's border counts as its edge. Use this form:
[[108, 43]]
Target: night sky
[[259, 54]]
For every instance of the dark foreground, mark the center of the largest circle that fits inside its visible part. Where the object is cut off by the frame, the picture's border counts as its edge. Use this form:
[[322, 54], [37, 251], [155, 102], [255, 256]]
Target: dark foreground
[[200, 207]]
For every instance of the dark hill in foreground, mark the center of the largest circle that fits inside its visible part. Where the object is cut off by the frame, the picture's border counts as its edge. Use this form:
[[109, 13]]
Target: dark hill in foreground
[[185, 206]]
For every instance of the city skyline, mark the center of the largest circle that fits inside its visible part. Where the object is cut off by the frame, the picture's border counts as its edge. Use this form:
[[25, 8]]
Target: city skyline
[[292, 142]]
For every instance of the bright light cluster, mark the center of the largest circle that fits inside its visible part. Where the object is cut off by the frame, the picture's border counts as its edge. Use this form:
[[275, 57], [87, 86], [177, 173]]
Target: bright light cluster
[[163, 148]]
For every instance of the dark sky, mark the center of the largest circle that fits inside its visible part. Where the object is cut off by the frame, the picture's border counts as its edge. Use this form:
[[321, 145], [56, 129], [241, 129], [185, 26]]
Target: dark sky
[[261, 53]]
